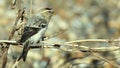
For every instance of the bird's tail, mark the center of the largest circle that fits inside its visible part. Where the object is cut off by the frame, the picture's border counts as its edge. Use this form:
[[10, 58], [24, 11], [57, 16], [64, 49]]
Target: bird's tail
[[24, 52]]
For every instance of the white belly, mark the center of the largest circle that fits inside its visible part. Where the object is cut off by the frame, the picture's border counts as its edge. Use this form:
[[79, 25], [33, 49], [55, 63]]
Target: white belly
[[38, 36]]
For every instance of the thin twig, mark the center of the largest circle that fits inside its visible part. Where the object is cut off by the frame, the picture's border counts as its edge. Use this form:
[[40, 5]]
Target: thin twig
[[104, 59], [8, 42], [96, 40], [15, 64], [31, 8], [66, 46]]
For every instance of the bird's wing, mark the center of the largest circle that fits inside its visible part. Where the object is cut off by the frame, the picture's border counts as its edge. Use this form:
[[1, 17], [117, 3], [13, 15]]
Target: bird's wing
[[27, 33]]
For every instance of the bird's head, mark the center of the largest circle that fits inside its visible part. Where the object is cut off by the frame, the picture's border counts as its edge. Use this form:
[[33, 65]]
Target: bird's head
[[41, 17], [47, 13]]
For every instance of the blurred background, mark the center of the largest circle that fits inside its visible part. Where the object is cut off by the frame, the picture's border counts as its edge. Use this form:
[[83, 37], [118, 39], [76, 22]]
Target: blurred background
[[73, 20]]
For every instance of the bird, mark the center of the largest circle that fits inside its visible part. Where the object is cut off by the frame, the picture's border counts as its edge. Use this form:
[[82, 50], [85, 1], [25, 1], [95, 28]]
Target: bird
[[34, 30]]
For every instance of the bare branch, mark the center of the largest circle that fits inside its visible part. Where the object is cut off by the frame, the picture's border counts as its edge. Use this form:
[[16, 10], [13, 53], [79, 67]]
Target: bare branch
[[70, 46], [8, 42], [96, 40]]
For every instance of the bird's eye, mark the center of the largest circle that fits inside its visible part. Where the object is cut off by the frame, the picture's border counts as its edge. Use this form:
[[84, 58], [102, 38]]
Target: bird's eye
[[43, 25], [49, 11]]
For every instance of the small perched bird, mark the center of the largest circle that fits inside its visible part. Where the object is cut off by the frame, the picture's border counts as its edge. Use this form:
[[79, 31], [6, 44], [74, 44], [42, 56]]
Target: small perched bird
[[34, 30]]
